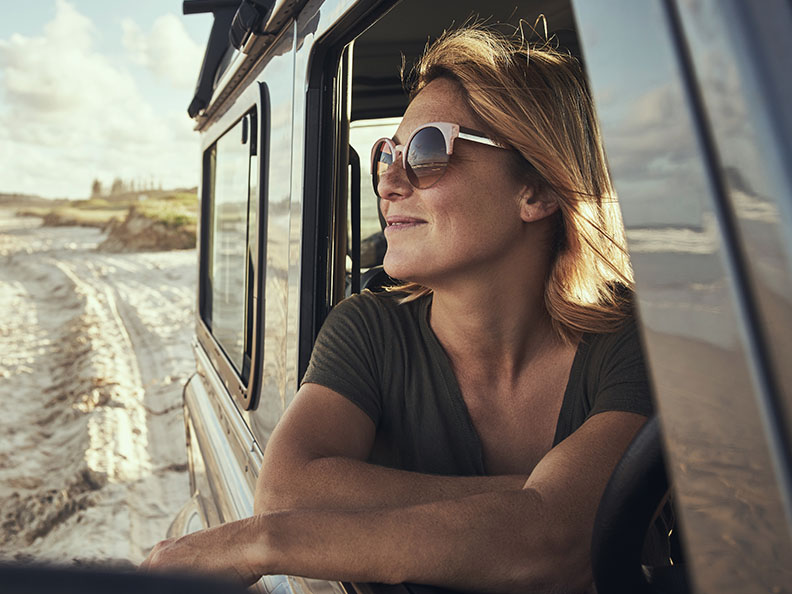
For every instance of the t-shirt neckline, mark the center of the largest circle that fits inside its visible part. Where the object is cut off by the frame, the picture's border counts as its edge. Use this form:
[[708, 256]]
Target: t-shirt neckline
[[458, 402]]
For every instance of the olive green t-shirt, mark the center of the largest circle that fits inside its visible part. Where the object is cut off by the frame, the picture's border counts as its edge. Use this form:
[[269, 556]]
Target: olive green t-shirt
[[386, 359]]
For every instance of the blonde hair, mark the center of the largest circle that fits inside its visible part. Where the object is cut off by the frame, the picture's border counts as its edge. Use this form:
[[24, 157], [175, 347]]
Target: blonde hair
[[535, 99]]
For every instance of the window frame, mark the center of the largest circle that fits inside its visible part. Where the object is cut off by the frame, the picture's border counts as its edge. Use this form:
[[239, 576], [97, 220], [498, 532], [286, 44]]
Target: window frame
[[326, 163], [242, 385]]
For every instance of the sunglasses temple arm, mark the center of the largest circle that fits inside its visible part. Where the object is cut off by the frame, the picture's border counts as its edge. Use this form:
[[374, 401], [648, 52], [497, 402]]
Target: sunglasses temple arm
[[478, 138]]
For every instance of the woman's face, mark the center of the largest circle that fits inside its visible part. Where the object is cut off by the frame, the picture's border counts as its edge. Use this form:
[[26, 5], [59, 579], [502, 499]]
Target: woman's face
[[469, 221]]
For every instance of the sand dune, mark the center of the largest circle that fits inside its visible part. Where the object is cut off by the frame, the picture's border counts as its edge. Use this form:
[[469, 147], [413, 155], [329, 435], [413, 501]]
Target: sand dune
[[94, 351]]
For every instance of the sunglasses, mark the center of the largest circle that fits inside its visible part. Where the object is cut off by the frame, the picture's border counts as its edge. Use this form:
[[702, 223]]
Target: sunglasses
[[426, 153]]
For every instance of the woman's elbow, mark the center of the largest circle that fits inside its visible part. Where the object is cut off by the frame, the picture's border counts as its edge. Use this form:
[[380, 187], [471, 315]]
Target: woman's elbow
[[569, 578], [262, 497], [566, 567], [275, 491], [557, 561]]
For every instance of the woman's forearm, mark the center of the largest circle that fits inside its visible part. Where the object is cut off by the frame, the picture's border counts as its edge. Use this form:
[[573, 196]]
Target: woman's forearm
[[498, 541], [532, 539], [345, 483]]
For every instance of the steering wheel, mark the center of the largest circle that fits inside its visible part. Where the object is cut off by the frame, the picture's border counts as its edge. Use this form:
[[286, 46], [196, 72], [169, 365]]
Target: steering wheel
[[637, 489]]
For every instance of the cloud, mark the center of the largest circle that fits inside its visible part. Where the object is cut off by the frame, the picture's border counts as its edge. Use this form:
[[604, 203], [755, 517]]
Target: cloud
[[167, 51], [69, 114], [34, 76], [654, 157]]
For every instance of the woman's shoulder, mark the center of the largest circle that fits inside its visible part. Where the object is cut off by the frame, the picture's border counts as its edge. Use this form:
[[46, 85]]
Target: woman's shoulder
[[614, 352], [625, 334]]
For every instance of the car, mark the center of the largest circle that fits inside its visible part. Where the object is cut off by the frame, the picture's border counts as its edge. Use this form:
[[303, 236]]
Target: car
[[694, 99]]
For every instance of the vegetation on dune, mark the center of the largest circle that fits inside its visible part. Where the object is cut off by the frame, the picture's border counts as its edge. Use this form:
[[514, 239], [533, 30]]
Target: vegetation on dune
[[174, 209], [60, 216], [154, 219]]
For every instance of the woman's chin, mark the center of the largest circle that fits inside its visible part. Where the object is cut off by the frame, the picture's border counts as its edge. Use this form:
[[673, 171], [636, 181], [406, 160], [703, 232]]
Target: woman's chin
[[400, 267]]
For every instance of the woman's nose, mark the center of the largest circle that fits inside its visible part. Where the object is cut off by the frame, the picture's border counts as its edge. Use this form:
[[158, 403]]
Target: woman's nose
[[393, 184]]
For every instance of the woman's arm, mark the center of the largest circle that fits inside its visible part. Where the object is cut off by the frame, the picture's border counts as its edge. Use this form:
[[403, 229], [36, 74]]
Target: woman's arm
[[531, 539], [316, 456]]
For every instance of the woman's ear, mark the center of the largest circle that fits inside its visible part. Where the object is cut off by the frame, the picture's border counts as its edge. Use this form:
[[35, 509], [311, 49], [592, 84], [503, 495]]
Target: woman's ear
[[535, 205]]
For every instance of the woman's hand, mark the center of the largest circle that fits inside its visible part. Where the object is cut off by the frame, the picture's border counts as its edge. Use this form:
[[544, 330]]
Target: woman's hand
[[219, 551]]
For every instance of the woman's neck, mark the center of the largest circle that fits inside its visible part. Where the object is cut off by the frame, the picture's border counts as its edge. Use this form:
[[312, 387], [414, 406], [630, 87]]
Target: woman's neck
[[499, 327]]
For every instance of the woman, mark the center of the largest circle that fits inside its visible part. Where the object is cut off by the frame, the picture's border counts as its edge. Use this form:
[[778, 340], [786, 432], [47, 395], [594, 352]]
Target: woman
[[460, 429]]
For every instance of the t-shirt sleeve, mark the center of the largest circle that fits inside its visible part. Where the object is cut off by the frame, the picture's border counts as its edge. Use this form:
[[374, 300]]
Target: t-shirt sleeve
[[345, 355], [622, 382]]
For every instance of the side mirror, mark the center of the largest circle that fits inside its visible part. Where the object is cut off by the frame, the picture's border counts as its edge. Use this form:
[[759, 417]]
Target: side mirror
[[250, 17]]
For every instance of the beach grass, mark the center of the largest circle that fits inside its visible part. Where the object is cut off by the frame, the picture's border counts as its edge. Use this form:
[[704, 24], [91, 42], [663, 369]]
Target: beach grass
[[176, 209]]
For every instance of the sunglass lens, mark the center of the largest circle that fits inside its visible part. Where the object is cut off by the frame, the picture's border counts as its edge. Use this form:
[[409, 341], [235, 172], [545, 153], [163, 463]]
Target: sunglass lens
[[383, 158], [427, 159]]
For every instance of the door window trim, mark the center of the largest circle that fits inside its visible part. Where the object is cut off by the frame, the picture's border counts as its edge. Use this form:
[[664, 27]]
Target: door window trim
[[243, 384]]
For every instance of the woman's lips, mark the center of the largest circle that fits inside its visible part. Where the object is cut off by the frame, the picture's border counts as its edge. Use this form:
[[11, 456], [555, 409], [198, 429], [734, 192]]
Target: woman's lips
[[401, 223]]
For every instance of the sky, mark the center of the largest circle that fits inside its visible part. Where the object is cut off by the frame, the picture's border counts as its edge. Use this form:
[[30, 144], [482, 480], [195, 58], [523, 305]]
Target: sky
[[97, 89]]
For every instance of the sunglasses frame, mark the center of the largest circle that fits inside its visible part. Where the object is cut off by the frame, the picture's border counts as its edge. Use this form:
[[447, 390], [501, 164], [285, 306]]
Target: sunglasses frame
[[450, 133]]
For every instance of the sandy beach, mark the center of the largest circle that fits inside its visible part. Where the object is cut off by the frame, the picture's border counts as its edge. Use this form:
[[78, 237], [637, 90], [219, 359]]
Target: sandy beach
[[94, 351]]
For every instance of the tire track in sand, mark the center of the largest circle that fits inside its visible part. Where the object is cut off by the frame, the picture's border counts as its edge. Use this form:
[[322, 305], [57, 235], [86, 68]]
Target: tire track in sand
[[79, 478]]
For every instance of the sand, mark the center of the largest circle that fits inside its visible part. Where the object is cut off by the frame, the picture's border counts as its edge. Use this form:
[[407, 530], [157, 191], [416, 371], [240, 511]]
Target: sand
[[94, 351]]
